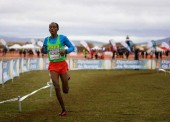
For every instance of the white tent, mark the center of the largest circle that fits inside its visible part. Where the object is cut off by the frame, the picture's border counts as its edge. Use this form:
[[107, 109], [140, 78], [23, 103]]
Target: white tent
[[30, 46], [15, 46], [96, 48]]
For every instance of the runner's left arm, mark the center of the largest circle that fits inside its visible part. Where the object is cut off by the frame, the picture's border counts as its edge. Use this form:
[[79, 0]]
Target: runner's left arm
[[69, 45]]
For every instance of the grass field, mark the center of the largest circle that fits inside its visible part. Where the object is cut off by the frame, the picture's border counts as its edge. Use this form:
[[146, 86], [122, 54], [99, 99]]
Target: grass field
[[95, 96]]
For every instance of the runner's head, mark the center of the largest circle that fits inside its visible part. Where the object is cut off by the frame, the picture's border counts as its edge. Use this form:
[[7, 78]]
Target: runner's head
[[53, 28]]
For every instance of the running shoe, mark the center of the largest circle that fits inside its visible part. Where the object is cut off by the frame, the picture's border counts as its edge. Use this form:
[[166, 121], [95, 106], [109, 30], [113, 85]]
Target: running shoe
[[64, 113]]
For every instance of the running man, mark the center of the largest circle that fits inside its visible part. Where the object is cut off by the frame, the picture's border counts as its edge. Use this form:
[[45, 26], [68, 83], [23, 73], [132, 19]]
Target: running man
[[58, 67]]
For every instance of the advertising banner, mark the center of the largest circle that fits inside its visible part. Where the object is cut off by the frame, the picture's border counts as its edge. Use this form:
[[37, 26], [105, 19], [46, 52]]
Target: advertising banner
[[12, 68], [88, 64], [129, 64], [46, 63], [21, 67], [6, 71], [41, 64], [25, 65], [16, 67], [14, 71], [165, 64], [34, 64]]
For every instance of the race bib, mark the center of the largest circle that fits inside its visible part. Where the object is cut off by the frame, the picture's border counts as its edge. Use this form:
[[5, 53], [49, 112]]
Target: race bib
[[54, 54]]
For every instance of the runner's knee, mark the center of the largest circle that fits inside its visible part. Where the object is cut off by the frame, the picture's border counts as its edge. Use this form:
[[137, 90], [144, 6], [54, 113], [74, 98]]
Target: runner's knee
[[56, 86]]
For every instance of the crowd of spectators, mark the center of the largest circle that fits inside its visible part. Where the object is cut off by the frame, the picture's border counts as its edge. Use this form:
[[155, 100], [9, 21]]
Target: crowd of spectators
[[21, 52], [95, 54]]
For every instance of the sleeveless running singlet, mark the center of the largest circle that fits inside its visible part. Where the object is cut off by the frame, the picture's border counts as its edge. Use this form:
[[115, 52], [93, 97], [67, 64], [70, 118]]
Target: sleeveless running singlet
[[53, 51]]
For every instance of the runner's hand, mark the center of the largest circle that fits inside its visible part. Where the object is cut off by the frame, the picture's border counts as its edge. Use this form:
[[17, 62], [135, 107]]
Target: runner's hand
[[63, 52]]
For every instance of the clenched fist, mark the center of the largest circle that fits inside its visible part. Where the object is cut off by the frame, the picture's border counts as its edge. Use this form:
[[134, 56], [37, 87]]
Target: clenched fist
[[63, 52]]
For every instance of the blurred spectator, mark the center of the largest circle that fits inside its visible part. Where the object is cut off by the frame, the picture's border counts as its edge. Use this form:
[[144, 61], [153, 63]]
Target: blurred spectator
[[4, 51], [85, 52], [42, 51], [92, 53], [142, 54], [96, 55], [166, 54], [24, 52], [160, 54], [102, 55], [136, 54], [151, 55], [121, 54], [113, 54], [157, 55], [127, 54], [146, 54], [38, 53], [20, 52]]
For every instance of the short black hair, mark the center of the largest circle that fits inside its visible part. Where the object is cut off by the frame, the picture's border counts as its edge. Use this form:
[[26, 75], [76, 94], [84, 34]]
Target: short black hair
[[56, 24]]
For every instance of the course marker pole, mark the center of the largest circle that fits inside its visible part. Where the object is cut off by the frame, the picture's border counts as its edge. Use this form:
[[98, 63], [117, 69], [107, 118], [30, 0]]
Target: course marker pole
[[19, 103]]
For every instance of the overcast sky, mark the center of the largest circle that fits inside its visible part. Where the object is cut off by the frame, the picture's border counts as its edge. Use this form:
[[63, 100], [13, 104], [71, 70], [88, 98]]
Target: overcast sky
[[100, 20]]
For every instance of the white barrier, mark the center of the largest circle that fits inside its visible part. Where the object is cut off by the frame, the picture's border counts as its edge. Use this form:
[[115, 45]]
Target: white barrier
[[10, 100], [163, 70], [20, 99], [24, 97]]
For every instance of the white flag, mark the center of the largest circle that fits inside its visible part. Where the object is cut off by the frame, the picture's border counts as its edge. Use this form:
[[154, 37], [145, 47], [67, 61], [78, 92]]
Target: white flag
[[165, 46], [113, 45], [85, 45], [4, 43], [40, 43], [33, 43], [150, 44], [126, 46]]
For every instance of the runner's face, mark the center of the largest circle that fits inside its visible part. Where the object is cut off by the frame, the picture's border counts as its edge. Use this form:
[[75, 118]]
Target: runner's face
[[53, 28]]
